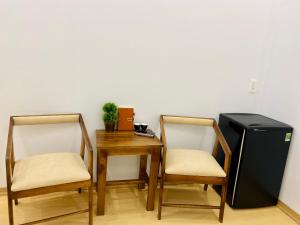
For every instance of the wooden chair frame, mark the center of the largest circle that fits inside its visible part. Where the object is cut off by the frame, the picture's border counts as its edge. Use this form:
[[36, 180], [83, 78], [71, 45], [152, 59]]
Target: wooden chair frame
[[10, 162], [195, 179]]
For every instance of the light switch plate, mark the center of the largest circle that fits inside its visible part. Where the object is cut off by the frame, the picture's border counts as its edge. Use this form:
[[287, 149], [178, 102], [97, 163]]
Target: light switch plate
[[252, 86]]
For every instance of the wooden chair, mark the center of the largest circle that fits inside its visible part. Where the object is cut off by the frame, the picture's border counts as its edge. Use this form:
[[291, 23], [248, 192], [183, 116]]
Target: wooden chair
[[201, 167], [47, 173]]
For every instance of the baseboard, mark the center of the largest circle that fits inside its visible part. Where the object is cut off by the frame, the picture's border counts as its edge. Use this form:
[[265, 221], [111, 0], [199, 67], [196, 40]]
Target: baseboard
[[2, 191], [288, 211]]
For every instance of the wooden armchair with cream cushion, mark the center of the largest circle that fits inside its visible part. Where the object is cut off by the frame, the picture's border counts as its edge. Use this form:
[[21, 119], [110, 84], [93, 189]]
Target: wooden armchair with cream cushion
[[194, 166], [47, 173]]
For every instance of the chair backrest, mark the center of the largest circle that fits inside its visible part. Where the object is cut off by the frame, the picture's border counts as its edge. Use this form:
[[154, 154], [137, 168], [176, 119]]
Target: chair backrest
[[46, 119], [188, 120], [183, 120]]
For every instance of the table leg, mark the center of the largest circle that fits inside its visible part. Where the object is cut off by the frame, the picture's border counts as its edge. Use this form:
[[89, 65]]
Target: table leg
[[142, 171], [102, 164], [155, 158], [98, 169]]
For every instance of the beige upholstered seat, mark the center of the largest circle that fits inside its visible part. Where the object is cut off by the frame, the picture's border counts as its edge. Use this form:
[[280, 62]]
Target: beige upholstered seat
[[192, 162], [47, 170]]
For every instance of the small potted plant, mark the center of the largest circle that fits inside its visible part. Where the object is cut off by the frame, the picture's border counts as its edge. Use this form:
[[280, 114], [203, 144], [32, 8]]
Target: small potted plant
[[110, 116]]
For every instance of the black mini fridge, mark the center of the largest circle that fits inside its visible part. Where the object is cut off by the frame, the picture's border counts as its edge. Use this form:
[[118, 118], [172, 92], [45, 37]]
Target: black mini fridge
[[259, 148]]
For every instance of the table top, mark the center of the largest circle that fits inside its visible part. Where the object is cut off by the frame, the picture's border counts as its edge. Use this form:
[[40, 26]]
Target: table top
[[124, 139]]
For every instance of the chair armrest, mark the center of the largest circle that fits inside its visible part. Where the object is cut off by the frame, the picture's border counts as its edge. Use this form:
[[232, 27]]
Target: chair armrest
[[88, 145], [9, 158], [164, 142], [225, 147]]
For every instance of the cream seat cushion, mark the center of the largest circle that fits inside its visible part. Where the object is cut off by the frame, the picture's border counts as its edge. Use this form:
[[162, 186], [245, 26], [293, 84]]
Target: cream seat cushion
[[47, 170], [192, 162]]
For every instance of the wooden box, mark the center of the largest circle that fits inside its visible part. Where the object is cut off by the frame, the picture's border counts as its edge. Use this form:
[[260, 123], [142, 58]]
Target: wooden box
[[125, 119]]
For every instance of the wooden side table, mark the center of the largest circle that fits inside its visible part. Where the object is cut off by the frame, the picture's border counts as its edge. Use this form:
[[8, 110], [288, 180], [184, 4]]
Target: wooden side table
[[127, 143]]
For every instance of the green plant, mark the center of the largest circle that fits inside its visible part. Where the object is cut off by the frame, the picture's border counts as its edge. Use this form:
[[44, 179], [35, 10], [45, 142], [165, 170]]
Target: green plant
[[110, 112]]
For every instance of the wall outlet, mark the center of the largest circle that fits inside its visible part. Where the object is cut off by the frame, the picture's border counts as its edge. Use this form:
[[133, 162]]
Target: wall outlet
[[252, 86]]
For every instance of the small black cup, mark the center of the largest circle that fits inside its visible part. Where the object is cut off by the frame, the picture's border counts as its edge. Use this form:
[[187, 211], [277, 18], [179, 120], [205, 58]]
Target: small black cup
[[144, 127], [137, 127]]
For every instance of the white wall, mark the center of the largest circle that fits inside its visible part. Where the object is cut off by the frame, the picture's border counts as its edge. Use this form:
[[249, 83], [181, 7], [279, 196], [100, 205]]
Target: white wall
[[280, 96], [179, 57]]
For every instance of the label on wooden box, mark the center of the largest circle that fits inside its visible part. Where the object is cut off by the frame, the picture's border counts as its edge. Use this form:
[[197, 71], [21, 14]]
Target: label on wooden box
[[125, 119]]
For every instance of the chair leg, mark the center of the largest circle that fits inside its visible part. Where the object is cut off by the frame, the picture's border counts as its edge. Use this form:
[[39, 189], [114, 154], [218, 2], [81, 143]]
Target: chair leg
[[91, 205], [16, 201], [223, 199], [161, 192], [10, 209], [205, 187]]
